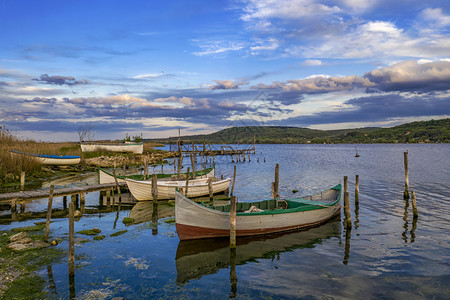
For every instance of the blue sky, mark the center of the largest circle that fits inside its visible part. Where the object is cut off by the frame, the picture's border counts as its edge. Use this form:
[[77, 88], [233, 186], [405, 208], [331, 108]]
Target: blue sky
[[152, 67]]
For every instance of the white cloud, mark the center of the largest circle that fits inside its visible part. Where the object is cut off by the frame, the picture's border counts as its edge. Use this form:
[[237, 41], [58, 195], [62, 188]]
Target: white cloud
[[436, 16], [271, 44], [312, 62], [145, 76], [219, 47], [285, 9]]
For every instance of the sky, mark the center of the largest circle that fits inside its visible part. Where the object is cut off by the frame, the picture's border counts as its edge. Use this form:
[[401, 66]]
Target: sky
[[150, 68]]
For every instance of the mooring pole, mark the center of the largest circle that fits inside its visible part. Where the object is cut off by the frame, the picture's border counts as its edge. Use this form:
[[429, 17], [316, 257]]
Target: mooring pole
[[210, 189], [357, 190], [277, 181], [233, 222], [155, 188], [234, 179], [22, 180], [192, 164], [71, 240], [187, 182], [145, 168], [49, 214], [348, 219], [405, 160]]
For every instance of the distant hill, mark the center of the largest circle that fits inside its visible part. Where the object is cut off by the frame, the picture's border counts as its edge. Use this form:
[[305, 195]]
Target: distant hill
[[433, 131]]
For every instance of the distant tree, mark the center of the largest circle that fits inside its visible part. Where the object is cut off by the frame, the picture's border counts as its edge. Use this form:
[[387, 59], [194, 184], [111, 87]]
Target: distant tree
[[86, 133]]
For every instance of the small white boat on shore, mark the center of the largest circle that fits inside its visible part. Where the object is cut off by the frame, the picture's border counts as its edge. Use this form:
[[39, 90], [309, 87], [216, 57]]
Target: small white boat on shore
[[57, 160], [137, 148]]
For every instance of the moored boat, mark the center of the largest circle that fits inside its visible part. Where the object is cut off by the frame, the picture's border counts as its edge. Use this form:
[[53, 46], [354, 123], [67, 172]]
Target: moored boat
[[107, 177], [46, 159], [197, 221], [142, 190], [137, 148]]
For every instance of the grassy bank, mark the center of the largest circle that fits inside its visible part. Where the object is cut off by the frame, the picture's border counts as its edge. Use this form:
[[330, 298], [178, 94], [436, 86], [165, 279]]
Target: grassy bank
[[11, 166]]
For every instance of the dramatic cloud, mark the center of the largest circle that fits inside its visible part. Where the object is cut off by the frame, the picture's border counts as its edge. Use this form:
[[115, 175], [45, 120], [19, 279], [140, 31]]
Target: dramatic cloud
[[412, 76], [408, 75], [226, 85], [60, 80]]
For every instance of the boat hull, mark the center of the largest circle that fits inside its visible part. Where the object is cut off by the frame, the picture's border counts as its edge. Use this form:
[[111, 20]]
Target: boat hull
[[137, 148], [142, 190], [195, 221], [54, 160], [105, 177]]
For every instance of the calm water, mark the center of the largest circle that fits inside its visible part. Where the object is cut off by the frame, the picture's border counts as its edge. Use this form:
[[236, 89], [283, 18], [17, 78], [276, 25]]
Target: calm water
[[386, 254]]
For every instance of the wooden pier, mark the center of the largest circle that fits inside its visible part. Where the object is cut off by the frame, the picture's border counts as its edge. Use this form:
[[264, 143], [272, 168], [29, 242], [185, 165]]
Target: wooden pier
[[58, 192]]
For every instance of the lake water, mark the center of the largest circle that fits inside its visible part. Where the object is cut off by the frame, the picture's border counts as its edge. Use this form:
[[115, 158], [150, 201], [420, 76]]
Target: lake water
[[386, 254]]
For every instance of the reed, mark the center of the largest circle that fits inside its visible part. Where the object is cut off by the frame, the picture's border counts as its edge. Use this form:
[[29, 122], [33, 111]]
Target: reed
[[11, 166]]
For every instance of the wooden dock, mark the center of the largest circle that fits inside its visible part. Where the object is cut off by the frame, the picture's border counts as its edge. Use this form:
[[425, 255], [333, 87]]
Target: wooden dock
[[58, 192]]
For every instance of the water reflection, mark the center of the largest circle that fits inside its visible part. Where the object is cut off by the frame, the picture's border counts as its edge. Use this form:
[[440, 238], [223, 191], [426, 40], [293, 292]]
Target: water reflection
[[348, 235], [412, 232], [197, 258]]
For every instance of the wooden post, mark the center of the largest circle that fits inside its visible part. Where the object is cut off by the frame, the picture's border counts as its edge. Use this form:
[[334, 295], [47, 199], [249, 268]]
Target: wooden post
[[187, 183], [117, 186], [277, 181], [210, 189], [273, 191], [357, 190], [193, 170], [154, 188], [234, 179], [405, 160], [414, 205], [145, 168], [64, 202], [49, 213], [22, 180], [348, 219], [82, 202], [71, 240], [233, 222]]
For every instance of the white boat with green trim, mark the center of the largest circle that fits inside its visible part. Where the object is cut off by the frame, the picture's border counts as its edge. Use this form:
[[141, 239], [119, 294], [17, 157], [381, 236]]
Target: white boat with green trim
[[197, 221], [107, 177]]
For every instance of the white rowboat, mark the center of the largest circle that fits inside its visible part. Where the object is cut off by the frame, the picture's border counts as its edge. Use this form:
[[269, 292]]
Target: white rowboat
[[142, 190]]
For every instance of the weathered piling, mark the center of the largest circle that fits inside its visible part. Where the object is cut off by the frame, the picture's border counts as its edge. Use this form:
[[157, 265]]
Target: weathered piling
[[154, 188], [357, 190], [49, 213], [117, 186], [71, 240], [233, 222], [210, 189], [193, 169], [276, 183], [234, 179], [348, 220], [22, 180], [187, 183], [145, 168], [405, 160], [414, 205]]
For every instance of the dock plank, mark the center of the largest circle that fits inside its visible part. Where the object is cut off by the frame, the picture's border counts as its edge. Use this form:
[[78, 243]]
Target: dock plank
[[58, 192]]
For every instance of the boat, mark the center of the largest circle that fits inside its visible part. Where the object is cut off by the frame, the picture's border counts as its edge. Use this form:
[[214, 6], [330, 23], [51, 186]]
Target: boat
[[137, 148], [107, 177], [45, 159], [198, 221], [197, 258], [142, 189]]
